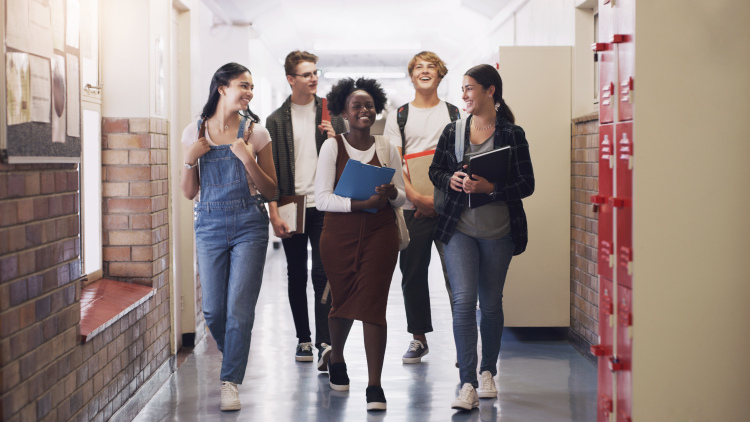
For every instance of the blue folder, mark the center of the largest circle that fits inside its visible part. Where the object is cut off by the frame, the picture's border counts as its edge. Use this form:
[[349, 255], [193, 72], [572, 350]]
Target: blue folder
[[359, 180]]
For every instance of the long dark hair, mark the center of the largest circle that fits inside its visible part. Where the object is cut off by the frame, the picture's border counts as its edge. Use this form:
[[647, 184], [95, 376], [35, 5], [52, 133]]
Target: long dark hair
[[488, 76], [223, 77]]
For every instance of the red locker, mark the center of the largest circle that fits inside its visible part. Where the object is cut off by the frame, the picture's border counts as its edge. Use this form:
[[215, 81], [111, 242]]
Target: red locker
[[624, 204], [624, 38], [607, 57], [605, 403], [601, 201], [624, 353]]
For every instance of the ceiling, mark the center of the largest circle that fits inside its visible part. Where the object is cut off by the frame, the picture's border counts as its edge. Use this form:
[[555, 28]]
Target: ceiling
[[357, 37]]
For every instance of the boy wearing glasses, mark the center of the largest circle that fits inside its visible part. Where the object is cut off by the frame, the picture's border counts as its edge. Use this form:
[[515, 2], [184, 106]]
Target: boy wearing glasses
[[298, 131], [416, 127]]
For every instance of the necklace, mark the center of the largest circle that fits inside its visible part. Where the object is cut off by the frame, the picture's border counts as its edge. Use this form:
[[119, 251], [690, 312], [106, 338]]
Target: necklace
[[483, 128]]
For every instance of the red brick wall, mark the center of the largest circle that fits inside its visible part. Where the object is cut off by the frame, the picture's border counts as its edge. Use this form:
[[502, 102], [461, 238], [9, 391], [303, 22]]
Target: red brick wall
[[45, 373], [135, 191], [584, 300]]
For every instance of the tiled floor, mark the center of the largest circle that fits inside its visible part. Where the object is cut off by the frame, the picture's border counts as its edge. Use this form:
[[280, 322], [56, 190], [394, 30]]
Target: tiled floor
[[538, 380]]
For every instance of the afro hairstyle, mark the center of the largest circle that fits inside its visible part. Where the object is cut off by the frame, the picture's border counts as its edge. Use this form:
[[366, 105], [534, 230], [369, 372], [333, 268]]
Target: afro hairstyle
[[341, 91]]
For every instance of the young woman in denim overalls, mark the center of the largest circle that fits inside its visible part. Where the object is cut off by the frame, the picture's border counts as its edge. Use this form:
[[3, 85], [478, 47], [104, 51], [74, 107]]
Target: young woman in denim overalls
[[228, 161]]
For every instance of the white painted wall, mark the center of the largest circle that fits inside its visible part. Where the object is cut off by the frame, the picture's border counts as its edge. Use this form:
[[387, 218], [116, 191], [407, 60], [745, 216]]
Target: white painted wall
[[221, 44], [691, 206], [125, 56], [523, 23]]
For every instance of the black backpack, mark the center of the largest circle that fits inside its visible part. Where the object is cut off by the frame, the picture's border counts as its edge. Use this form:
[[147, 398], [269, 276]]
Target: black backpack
[[403, 114]]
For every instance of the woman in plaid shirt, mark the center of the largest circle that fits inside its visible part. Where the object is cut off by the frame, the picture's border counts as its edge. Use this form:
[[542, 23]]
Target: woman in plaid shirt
[[480, 242]]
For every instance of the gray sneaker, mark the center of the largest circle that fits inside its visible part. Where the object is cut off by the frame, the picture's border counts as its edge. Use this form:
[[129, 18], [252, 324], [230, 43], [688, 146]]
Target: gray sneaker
[[416, 352], [324, 353], [304, 352]]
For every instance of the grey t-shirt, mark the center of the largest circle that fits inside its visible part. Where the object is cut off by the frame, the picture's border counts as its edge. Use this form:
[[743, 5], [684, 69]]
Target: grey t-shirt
[[491, 221]]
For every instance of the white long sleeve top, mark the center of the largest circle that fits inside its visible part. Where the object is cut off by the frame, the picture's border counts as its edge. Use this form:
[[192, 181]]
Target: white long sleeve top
[[325, 178]]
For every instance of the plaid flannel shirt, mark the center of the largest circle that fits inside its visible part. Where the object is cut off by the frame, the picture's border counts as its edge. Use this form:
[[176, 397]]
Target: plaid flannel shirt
[[279, 126], [521, 182]]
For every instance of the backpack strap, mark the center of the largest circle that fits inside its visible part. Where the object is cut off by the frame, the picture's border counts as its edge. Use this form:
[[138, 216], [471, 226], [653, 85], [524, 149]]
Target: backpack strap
[[453, 112], [402, 115], [460, 135], [382, 150]]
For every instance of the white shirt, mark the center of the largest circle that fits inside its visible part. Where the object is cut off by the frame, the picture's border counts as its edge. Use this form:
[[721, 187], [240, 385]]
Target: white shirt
[[325, 199], [422, 132], [305, 152]]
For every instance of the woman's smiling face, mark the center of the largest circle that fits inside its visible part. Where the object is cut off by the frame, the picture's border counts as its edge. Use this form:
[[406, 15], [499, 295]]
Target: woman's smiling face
[[360, 110], [239, 92]]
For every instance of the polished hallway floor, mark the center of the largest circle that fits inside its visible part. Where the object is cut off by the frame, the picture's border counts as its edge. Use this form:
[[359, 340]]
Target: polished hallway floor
[[538, 380]]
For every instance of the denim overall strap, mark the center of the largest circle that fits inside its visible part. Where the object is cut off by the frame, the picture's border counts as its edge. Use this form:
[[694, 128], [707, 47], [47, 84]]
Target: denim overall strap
[[223, 180]]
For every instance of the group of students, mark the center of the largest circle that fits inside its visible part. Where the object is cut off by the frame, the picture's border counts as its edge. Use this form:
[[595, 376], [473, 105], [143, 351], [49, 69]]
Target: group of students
[[233, 166]]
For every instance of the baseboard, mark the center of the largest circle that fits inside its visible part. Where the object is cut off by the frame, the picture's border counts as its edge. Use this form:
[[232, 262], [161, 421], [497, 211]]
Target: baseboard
[[135, 404], [538, 333], [583, 346], [188, 339]]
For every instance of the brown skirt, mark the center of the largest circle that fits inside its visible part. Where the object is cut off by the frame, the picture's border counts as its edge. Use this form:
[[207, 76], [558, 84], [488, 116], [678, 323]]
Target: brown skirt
[[359, 251]]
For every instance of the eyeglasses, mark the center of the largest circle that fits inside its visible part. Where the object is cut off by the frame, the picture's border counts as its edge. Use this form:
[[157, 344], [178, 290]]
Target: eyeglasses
[[309, 75]]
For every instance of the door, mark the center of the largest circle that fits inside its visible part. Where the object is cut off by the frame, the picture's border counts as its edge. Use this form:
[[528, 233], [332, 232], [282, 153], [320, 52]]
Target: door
[[539, 295]]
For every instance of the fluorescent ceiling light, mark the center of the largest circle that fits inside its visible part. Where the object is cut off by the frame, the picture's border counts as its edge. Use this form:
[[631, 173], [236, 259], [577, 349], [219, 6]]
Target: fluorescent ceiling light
[[372, 75], [365, 46]]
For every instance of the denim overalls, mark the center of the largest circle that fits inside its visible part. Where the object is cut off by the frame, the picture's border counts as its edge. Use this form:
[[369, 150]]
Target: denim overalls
[[231, 231]]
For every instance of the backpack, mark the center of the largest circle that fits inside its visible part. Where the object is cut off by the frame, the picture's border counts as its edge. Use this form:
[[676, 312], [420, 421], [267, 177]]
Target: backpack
[[403, 114]]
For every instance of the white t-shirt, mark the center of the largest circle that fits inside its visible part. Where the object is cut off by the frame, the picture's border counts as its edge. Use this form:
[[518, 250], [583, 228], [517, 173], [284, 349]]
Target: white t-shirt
[[423, 129], [325, 199], [305, 152], [259, 138]]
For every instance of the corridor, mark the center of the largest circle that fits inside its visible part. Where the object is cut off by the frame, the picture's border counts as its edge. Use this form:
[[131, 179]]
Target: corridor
[[538, 380]]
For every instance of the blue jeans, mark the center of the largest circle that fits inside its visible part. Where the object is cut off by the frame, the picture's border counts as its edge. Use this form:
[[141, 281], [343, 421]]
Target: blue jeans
[[231, 245], [477, 268]]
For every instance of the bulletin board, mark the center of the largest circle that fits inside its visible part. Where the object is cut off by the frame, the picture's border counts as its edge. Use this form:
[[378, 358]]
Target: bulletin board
[[41, 122]]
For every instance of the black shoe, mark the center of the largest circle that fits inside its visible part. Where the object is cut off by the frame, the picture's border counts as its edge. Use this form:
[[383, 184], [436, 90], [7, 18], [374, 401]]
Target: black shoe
[[375, 398], [324, 353], [337, 377]]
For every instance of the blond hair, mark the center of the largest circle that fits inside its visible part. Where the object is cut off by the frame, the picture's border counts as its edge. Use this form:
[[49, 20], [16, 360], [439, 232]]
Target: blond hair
[[429, 57]]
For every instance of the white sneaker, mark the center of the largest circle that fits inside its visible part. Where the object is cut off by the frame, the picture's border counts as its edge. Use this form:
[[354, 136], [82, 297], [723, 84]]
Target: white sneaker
[[487, 388], [230, 397], [467, 398]]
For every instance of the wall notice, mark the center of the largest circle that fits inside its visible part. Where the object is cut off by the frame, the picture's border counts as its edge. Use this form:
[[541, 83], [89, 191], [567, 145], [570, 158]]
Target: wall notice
[[73, 97], [41, 88], [58, 99], [17, 88]]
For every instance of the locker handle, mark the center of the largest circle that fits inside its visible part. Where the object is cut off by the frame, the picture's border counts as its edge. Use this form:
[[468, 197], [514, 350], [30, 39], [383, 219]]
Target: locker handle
[[618, 39], [599, 46], [598, 350], [617, 202], [597, 200], [615, 364]]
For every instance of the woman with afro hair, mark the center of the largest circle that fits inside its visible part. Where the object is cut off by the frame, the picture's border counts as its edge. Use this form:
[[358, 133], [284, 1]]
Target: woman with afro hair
[[359, 249]]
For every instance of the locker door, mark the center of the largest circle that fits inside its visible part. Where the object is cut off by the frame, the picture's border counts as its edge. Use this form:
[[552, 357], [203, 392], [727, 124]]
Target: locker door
[[624, 353], [605, 257], [624, 38], [623, 203], [604, 350], [606, 52]]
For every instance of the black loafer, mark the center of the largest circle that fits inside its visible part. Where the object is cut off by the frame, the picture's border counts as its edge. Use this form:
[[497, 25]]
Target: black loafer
[[337, 377], [375, 398]]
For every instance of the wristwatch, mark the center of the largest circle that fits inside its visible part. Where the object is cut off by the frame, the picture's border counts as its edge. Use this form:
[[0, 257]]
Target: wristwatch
[[190, 166], [493, 194]]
